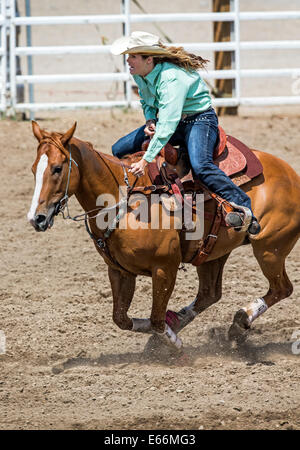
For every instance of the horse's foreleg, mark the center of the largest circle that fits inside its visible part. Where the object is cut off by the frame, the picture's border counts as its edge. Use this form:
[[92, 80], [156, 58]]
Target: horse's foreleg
[[163, 281], [209, 292], [272, 263], [123, 287]]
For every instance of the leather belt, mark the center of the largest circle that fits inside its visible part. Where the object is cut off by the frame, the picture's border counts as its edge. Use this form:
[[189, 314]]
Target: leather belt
[[184, 116]]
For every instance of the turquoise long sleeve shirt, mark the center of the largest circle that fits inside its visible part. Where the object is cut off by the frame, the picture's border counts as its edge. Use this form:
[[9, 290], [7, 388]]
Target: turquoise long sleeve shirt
[[167, 92]]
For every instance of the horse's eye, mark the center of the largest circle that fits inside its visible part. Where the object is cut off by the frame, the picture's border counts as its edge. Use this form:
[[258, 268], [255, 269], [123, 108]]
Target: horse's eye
[[56, 169]]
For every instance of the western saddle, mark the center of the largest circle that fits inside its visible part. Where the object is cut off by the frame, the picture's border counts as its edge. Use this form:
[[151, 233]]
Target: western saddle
[[171, 173]]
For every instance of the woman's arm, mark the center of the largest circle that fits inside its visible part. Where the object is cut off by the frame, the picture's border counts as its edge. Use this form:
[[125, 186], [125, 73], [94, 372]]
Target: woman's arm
[[171, 96]]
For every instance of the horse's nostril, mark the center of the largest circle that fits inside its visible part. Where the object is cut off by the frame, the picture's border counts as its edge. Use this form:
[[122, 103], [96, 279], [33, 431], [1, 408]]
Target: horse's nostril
[[40, 218]]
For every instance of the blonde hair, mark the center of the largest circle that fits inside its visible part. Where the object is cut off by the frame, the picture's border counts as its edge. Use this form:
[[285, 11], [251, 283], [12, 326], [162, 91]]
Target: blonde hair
[[180, 57]]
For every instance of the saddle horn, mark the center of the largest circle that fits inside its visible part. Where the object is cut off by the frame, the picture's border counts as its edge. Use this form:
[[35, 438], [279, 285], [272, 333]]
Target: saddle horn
[[169, 152]]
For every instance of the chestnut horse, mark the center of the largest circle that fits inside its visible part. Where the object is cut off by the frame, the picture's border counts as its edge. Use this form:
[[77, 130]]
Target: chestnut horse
[[65, 166]]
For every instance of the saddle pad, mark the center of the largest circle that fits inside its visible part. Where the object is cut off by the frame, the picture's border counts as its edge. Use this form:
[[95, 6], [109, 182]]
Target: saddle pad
[[254, 166]]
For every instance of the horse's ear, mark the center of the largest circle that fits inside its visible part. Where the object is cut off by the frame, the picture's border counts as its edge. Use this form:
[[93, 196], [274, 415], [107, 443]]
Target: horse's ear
[[37, 131], [67, 136]]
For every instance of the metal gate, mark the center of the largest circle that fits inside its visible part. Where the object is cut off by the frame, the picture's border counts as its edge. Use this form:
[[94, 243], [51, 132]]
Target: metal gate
[[9, 21]]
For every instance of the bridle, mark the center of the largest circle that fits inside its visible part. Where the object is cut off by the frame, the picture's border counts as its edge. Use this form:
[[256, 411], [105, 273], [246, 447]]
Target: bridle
[[60, 206], [63, 203]]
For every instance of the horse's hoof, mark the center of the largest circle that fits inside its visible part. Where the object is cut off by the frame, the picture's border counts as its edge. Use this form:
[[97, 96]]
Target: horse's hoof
[[154, 347], [157, 349], [237, 334], [240, 328]]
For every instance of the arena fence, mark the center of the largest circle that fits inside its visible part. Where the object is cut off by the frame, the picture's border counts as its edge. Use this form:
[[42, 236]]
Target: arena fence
[[3, 56], [9, 21]]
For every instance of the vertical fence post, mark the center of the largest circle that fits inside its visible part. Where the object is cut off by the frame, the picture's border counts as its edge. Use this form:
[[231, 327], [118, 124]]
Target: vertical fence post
[[29, 57], [19, 86], [3, 57], [11, 110], [126, 32], [236, 37], [224, 60]]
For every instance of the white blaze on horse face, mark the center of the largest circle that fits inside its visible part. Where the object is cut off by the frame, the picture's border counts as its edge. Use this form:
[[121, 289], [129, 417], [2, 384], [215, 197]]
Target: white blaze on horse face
[[41, 167]]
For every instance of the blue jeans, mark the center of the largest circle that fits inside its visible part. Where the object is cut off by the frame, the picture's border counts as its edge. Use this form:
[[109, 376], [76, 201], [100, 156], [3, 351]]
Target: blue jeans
[[199, 133]]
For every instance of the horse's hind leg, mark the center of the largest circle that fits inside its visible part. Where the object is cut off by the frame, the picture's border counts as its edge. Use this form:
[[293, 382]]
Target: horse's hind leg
[[209, 292], [272, 263]]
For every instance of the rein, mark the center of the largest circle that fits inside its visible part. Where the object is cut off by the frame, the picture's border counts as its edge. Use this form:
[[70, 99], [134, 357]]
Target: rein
[[60, 207]]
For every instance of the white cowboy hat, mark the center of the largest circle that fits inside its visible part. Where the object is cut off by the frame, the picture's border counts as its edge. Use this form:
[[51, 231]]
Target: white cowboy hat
[[138, 42]]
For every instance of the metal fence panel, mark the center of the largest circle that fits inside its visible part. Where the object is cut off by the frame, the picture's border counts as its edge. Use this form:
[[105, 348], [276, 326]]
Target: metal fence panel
[[10, 79]]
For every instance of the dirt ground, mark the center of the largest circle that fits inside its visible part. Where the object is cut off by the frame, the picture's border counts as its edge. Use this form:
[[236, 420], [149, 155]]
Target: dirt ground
[[67, 366]]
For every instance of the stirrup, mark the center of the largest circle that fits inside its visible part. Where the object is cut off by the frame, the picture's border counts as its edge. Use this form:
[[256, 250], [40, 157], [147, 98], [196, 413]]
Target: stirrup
[[241, 219]]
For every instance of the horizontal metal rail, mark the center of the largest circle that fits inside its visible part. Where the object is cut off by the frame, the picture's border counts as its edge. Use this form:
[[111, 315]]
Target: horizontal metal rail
[[244, 101], [69, 105], [143, 18], [62, 50], [122, 76], [201, 46]]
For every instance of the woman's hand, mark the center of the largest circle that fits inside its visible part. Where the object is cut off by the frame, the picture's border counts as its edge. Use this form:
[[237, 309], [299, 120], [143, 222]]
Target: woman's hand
[[150, 128], [138, 168]]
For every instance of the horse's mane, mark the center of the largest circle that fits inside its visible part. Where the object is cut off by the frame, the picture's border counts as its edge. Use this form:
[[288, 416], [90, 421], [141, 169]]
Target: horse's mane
[[53, 136], [127, 160], [124, 161]]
